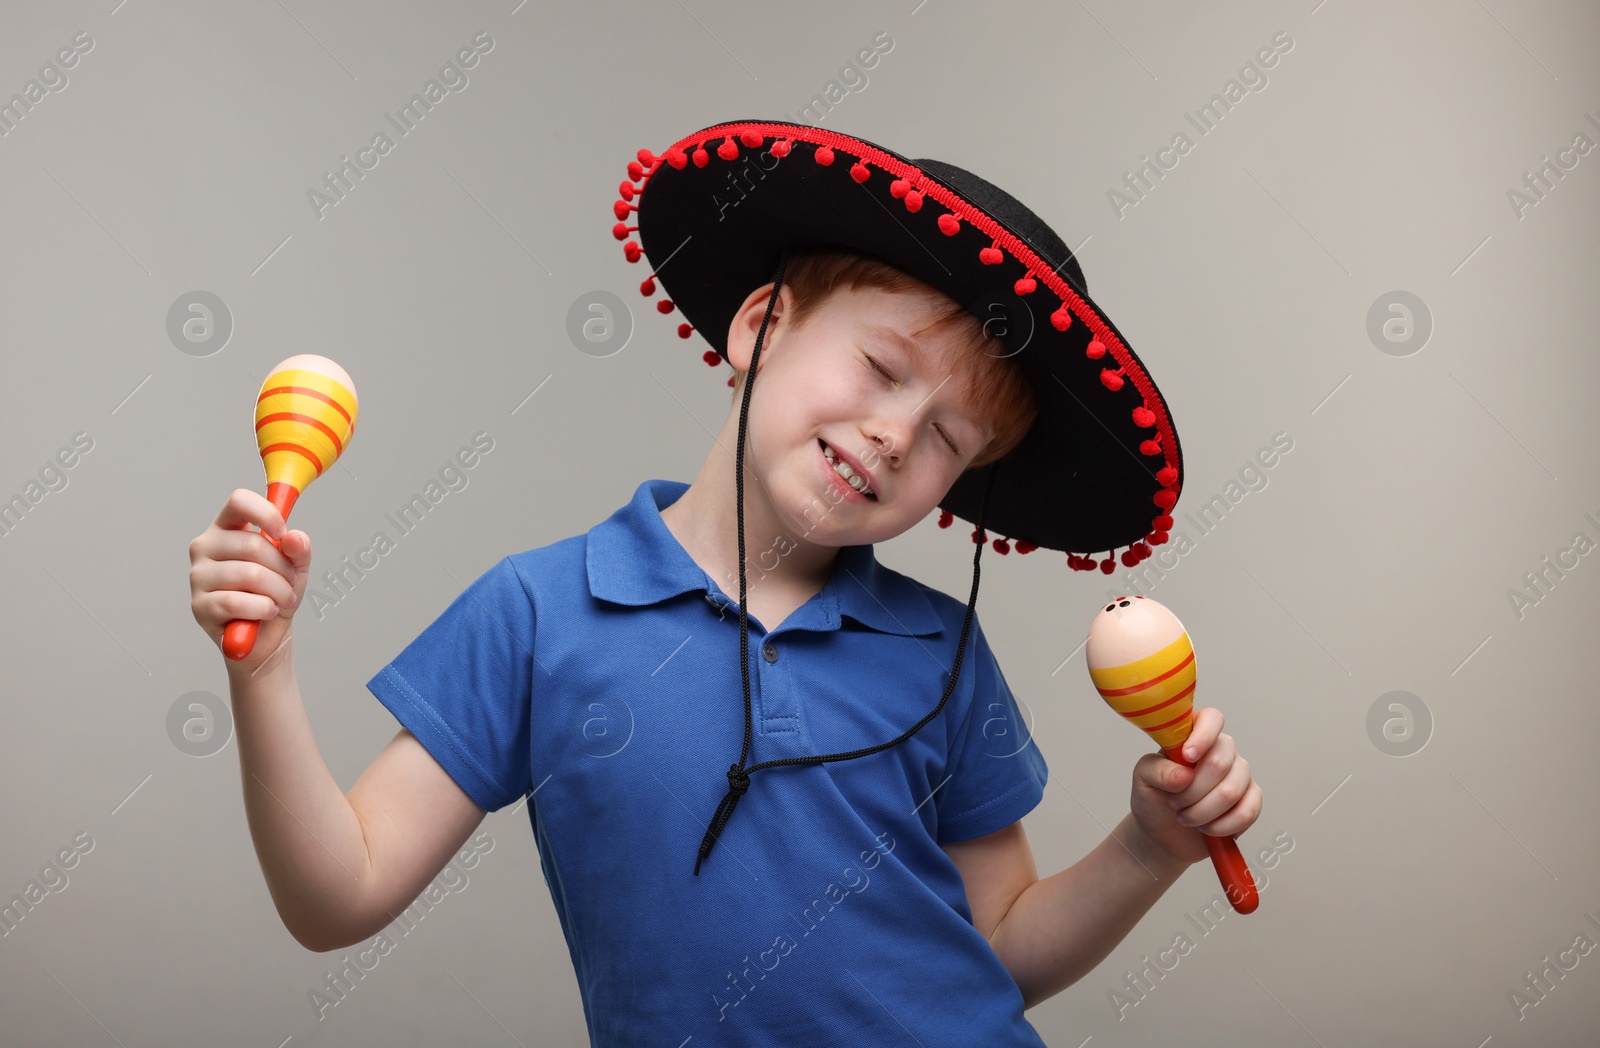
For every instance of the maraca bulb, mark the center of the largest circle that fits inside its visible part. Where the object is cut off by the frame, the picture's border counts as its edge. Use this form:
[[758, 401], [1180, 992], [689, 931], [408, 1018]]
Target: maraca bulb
[[1142, 663], [305, 415]]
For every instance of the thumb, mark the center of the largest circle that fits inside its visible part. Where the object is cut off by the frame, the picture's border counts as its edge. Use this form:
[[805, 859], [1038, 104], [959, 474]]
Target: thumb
[[296, 546], [1157, 772]]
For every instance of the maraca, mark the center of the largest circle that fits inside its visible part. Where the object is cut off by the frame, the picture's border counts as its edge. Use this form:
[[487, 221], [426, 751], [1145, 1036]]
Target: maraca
[[1142, 663], [305, 416]]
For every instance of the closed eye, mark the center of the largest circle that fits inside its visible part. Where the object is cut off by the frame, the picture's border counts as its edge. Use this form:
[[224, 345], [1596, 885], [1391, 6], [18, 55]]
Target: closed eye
[[885, 373]]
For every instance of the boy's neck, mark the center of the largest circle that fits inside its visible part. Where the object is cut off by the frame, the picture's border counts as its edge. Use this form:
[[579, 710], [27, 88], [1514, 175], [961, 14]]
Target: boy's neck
[[705, 522]]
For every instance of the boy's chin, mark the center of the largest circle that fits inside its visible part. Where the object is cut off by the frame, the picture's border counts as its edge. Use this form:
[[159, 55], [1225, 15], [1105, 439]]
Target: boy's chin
[[865, 525]]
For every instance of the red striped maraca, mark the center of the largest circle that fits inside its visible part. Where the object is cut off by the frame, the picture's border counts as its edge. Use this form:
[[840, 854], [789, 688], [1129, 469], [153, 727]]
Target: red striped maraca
[[1142, 663], [305, 416]]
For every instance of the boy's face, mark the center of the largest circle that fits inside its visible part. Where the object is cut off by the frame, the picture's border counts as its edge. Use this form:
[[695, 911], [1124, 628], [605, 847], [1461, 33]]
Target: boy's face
[[818, 384]]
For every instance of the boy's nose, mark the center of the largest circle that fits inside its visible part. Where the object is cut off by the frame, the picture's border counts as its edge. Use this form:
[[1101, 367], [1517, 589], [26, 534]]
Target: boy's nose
[[884, 441]]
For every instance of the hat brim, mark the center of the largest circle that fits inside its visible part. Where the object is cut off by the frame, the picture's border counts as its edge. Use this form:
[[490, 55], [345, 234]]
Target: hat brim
[[1101, 466]]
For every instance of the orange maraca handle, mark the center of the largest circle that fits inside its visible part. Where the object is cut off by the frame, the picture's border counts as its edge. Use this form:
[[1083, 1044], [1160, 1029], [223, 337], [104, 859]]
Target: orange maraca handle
[[1230, 865], [239, 635]]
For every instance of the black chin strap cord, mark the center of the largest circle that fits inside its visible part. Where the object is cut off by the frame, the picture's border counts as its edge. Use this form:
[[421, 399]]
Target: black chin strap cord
[[738, 774]]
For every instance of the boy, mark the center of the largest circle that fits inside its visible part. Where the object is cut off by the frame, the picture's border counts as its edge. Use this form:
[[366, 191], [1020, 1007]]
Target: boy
[[877, 885]]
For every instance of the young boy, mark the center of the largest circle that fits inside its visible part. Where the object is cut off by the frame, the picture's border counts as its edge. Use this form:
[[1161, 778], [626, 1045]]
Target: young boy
[[876, 884]]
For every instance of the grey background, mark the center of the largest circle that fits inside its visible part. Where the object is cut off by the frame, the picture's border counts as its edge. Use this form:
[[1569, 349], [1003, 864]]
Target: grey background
[[1377, 558]]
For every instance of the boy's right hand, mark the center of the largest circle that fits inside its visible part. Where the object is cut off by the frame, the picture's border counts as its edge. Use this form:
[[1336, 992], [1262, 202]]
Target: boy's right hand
[[235, 573]]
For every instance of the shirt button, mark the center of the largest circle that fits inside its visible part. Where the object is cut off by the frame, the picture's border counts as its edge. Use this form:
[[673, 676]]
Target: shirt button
[[770, 650]]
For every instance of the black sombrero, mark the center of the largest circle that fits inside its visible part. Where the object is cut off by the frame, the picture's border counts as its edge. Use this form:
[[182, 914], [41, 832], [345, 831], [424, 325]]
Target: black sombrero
[[1101, 467]]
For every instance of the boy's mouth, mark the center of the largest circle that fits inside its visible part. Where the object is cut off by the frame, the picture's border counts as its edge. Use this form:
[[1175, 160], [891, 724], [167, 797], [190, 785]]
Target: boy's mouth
[[846, 472]]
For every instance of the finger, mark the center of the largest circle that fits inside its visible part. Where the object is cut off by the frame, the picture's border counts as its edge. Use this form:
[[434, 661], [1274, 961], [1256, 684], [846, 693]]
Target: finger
[[1213, 765], [225, 545], [1207, 726], [1220, 798], [1238, 818], [245, 507], [246, 577], [225, 605]]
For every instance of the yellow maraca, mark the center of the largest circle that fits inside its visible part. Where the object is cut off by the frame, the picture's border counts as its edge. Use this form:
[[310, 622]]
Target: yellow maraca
[[1142, 663], [305, 417]]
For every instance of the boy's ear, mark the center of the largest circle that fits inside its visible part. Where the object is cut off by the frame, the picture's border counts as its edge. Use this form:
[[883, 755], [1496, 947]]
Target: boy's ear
[[747, 323]]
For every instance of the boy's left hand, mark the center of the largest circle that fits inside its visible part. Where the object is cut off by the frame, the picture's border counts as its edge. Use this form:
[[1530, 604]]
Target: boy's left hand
[[1176, 807]]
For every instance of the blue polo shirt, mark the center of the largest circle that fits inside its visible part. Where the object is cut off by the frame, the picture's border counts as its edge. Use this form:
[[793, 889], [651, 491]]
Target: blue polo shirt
[[600, 675]]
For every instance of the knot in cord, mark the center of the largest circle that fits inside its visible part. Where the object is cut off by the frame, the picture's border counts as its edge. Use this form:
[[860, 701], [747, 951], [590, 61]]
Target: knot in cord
[[738, 783]]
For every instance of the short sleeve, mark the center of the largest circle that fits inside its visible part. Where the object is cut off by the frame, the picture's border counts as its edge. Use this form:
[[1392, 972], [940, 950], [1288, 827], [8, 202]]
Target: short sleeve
[[463, 687], [996, 774]]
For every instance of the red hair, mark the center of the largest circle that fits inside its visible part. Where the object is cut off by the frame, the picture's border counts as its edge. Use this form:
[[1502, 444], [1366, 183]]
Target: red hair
[[999, 393]]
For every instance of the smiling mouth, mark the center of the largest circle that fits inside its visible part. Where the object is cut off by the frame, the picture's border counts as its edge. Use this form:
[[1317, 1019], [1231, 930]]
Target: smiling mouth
[[840, 466]]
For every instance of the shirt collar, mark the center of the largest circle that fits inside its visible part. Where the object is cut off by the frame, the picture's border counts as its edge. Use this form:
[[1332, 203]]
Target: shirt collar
[[632, 558]]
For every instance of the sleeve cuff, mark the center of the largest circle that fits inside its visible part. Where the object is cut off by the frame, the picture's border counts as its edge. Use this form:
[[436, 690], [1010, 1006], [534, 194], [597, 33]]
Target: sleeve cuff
[[437, 737], [998, 812]]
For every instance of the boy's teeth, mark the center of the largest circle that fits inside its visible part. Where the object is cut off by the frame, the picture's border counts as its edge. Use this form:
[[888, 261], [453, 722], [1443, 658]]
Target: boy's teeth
[[843, 469]]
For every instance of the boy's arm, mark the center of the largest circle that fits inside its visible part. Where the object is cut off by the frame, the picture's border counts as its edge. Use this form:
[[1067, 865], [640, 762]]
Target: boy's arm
[[1049, 933], [338, 867]]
